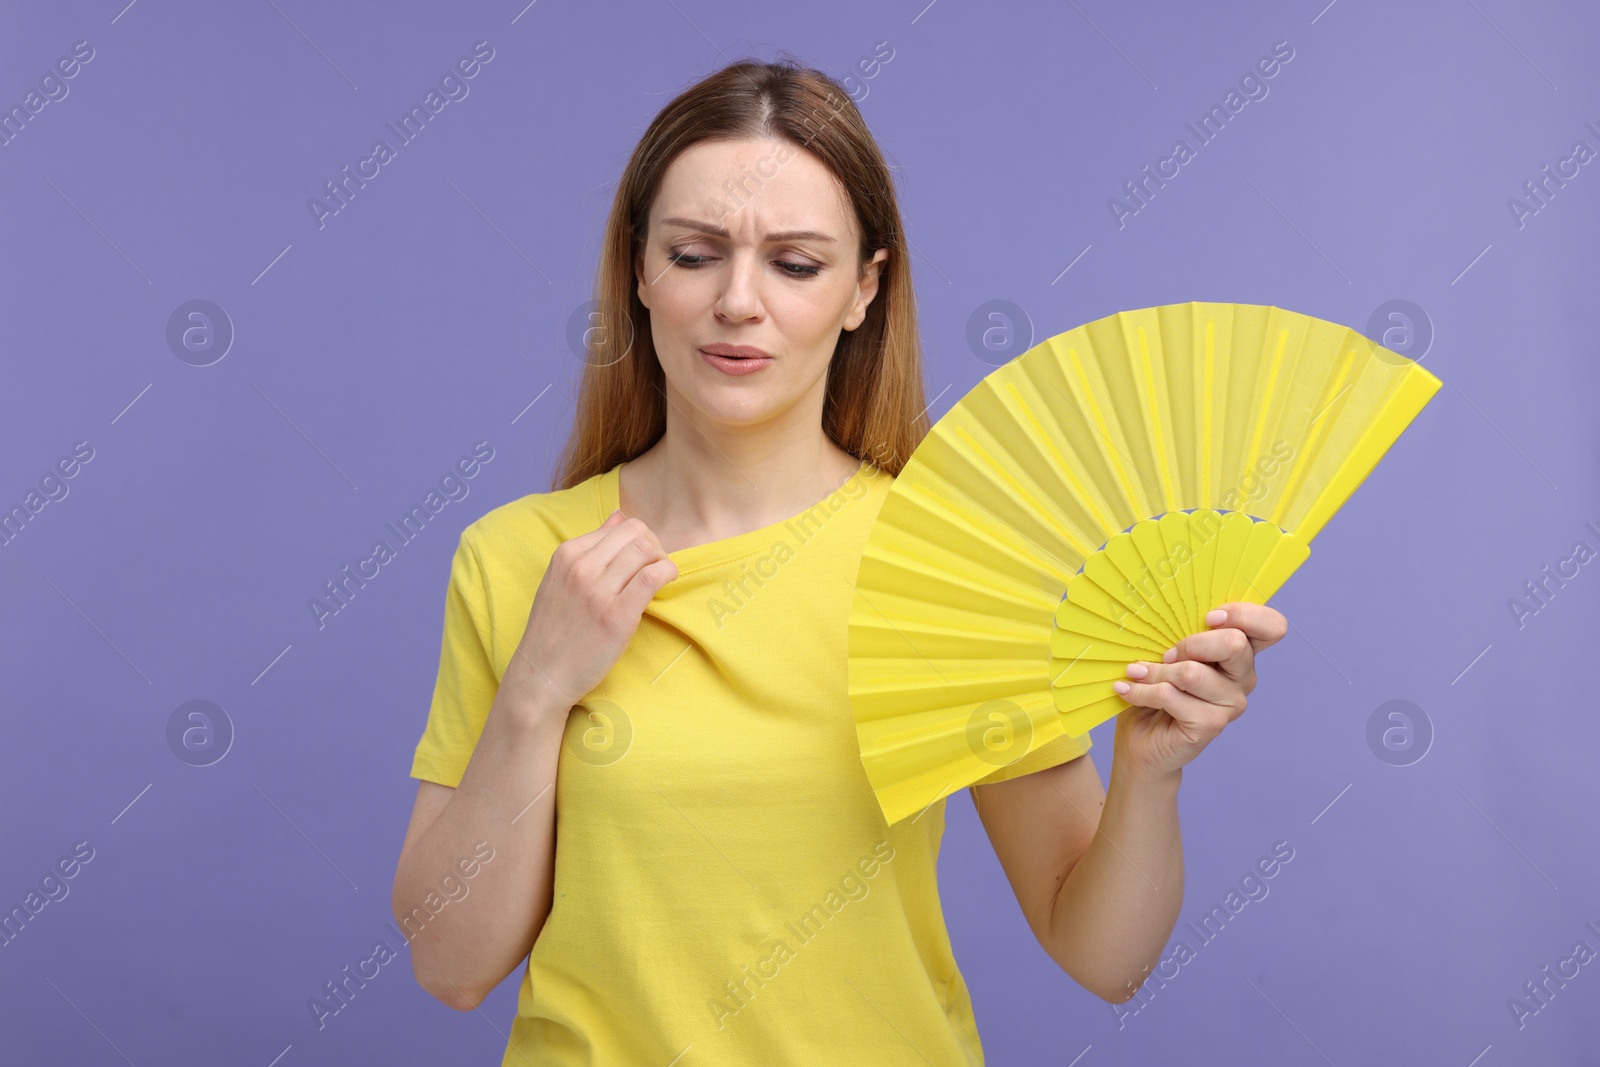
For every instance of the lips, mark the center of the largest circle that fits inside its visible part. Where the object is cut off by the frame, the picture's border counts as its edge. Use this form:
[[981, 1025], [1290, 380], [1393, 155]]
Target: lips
[[735, 359], [735, 351]]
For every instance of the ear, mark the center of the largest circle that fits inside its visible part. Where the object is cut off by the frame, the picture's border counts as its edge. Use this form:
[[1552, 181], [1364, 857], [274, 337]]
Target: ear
[[638, 273], [867, 289]]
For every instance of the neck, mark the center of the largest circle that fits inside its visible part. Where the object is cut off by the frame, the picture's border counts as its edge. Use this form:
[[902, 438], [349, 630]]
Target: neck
[[691, 490]]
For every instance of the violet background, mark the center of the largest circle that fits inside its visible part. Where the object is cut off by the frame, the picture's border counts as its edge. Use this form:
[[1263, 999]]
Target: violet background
[[429, 314]]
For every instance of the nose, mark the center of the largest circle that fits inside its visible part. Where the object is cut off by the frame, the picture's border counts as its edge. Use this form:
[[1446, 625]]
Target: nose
[[740, 298]]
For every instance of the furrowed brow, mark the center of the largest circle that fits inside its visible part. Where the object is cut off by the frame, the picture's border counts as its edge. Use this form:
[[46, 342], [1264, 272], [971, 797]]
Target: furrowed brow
[[771, 238]]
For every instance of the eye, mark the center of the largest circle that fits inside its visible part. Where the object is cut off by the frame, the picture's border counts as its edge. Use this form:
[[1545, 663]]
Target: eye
[[689, 261]]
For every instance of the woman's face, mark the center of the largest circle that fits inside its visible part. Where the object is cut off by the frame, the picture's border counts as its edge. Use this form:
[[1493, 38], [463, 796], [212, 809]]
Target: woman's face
[[751, 243]]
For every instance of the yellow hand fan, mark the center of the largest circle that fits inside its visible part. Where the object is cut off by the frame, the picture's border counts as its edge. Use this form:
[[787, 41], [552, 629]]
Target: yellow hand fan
[[1085, 505]]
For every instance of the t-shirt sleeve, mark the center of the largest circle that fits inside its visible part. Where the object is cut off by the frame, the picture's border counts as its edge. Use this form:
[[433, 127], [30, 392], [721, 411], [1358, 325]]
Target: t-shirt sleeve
[[1047, 755], [466, 684]]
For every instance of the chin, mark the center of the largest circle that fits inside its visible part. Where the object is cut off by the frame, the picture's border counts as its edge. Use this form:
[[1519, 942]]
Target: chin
[[735, 405], [747, 411]]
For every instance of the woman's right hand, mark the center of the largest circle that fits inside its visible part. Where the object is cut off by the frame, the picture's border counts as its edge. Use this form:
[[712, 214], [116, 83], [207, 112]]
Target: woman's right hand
[[586, 610]]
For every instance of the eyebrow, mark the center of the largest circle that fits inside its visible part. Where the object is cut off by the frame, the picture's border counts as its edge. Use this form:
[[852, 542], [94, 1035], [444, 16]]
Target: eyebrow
[[782, 235]]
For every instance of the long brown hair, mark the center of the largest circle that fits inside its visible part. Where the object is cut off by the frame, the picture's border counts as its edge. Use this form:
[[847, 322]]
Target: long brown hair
[[874, 407]]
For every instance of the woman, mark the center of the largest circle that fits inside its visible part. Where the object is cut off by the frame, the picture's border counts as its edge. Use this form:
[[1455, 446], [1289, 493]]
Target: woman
[[647, 665]]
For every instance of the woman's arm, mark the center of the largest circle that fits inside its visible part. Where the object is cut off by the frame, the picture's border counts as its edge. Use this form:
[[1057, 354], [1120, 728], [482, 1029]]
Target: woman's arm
[[584, 613], [1099, 875], [463, 947]]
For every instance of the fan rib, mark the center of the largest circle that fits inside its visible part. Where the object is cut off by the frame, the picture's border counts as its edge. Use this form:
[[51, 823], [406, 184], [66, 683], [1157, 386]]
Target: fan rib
[[1085, 496], [1264, 406], [1416, 388], [1129, 492], [1328, 413], [1208, 421], [1152, 406]]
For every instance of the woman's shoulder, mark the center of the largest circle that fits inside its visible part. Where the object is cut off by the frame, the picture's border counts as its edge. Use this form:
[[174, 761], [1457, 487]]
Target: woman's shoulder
[[535, 523]]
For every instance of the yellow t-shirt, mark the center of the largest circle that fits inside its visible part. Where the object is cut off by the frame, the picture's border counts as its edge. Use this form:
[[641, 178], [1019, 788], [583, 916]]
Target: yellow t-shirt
[[726, 890]]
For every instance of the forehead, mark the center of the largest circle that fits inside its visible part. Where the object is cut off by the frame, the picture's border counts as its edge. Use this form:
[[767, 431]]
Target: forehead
[[754, 187]]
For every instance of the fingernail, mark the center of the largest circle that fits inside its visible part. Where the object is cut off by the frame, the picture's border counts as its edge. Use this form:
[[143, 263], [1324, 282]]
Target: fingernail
[[1137, 670], [1170, 654], [1120, 687], [1216, 616]]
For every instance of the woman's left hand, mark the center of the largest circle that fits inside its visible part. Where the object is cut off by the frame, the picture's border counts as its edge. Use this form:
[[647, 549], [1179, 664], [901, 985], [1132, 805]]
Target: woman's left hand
[[1182, 703]]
